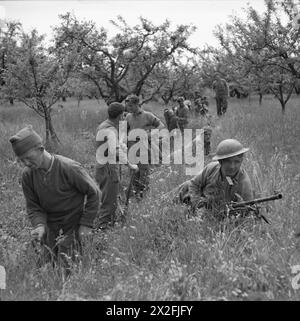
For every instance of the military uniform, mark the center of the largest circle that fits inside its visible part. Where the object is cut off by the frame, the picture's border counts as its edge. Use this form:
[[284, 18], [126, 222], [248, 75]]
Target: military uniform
[[142, 120], [171, 119], [107, 173], [221, 90], [182, 113], [211, 190]]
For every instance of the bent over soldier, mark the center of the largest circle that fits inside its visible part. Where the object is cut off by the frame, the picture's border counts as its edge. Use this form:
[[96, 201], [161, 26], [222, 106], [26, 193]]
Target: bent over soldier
[[61, 198]]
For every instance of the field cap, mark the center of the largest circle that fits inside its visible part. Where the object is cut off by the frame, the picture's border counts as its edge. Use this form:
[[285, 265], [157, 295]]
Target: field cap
[[115, 109], [24, 140]]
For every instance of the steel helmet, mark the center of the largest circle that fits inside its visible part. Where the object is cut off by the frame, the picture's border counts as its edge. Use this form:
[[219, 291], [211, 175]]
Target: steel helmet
[[229, 148]]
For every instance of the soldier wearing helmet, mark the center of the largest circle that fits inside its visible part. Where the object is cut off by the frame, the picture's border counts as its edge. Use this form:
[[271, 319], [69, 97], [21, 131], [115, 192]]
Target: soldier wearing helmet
[[221, 181]]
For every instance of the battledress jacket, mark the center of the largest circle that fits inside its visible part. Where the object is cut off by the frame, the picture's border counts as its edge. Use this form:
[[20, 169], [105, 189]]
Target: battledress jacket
[[210, 185]]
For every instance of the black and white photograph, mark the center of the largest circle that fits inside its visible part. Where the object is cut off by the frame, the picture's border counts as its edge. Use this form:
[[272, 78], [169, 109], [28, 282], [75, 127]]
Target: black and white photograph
[[149, 155]]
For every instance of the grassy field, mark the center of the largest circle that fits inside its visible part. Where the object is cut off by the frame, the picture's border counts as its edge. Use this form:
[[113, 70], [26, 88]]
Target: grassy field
[[162, 254]]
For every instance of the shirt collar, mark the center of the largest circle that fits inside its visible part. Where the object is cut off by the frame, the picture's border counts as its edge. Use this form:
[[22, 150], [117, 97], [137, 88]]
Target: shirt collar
[[140, 111], [234, 178], [113, 123], [50, 167]]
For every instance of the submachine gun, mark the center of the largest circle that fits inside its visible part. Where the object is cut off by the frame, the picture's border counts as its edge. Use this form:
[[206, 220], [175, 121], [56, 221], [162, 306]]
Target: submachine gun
[[234, 208]]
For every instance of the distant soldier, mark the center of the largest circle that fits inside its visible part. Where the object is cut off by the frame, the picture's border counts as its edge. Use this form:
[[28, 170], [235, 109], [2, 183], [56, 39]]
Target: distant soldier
[[220, 181], [107, 168], [201, 106], [171, 119], [139, 118], [207, 137], [221, 90], [188, 104], [204, 101], [182, 114], [61, 198]]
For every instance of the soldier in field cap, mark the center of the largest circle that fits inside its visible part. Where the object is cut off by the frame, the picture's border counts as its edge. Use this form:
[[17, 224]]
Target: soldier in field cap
[[55, 189], [107, 167]]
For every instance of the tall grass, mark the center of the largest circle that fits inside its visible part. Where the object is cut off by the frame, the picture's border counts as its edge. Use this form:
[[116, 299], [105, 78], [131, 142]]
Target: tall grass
[[163, 253]]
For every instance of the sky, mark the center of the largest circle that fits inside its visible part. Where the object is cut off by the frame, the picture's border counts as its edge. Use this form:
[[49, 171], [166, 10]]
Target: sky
[[204, 14]]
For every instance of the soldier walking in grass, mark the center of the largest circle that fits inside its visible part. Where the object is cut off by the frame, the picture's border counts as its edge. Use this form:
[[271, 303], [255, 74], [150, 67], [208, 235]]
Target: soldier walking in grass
[[61, 198], [220, 182], [221, 90], [107, 167], [182, 114], [140, 119]]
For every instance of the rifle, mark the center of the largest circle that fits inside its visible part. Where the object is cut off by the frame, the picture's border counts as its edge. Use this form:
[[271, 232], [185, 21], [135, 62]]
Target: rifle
[[128, 192], [246, 206]]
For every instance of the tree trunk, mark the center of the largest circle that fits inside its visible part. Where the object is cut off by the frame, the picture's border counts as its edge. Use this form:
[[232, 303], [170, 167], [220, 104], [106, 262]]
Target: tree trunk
[[282, 103], [281, 99], [79, 98], [260, 98], [52, 140]]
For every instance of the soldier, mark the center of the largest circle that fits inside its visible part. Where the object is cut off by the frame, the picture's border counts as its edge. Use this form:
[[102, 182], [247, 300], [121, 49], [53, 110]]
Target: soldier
[[61, 198], [220, 181], [171, 119], [207, 136], [108, 165], [198, 104], [188, 104], [205, 101], [221, 89], [182, 113], [139, 118]]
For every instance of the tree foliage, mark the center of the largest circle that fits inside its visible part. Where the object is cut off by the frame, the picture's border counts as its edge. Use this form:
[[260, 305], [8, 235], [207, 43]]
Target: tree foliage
[[264, 48], [37, 76], [122, 64]]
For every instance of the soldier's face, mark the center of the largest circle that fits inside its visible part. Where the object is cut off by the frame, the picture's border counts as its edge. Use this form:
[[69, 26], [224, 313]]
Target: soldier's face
[[230, 166], [33, 158], [132, 108]]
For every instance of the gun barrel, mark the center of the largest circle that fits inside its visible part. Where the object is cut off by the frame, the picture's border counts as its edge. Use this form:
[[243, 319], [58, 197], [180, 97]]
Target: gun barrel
[[258, 200]]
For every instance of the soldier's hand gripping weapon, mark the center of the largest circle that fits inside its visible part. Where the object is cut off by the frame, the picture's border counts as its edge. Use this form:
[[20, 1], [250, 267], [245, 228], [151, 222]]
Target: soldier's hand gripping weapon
[[246, 207]]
